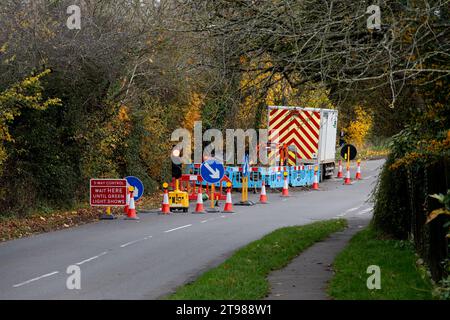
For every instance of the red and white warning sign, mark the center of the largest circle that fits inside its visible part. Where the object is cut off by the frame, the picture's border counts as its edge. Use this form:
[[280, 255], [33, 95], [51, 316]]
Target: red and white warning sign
[[108, 192]]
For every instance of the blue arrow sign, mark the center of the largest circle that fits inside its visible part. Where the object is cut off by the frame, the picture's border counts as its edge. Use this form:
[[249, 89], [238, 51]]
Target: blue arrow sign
[[137, 185], [212, 171]]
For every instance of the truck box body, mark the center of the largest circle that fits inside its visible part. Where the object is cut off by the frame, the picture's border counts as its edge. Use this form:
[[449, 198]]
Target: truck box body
[[309, 133]]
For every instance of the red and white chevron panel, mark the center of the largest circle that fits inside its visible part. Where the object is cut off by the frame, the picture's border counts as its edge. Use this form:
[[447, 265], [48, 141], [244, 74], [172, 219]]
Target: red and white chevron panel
[[296, 127]]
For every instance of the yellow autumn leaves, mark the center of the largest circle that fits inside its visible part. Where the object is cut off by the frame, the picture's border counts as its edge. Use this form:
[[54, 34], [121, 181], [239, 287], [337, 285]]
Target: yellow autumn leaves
[[358, 129], [193, 112], [24, 94], [261, 89]]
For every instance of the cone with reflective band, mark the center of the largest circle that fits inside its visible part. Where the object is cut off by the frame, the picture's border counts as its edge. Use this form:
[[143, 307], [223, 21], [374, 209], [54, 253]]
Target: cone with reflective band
[[315, 185], [358, 171], [132, 210], [347, 179], [165, 207], [263, 195], [285, 192], [125, 209], [199, 206], [340, 175], [228, 203]]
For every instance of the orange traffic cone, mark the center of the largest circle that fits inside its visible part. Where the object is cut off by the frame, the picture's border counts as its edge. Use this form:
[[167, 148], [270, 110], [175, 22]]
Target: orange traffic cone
[[125, 209], [347, 179], [228, 203], [285, 192], [340, 175], [199, 206], [263, 195], [165, 207], [132, 209], [315, 185], [358, 170]]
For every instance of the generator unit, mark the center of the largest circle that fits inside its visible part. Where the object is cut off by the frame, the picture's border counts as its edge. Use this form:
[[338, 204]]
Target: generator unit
[[178, 200]]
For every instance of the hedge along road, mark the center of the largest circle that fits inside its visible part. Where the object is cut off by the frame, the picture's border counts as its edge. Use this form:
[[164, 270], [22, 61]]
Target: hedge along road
[[148, 259]]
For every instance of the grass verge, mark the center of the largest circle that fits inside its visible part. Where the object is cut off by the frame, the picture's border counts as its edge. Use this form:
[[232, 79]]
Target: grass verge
[[244, 275], [400, 278]]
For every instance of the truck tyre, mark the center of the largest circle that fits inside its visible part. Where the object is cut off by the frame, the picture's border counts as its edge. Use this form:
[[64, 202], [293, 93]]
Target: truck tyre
[[324, 170]]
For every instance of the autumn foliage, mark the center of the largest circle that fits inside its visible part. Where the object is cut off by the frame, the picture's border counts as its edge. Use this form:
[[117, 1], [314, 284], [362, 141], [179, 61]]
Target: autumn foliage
[[358, 129]]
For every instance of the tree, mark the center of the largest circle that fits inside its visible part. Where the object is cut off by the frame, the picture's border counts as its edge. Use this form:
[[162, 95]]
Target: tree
[[328, 42]]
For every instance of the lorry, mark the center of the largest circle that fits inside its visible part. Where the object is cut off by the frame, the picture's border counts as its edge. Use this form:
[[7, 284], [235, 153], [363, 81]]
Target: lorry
[[309, 134]]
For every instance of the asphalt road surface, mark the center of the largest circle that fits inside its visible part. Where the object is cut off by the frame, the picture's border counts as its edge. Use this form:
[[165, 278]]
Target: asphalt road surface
[[149, 258]]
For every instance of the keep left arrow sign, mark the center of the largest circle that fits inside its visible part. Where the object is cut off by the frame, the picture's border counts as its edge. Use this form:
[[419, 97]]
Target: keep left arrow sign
[[215, 173], [212, 171]]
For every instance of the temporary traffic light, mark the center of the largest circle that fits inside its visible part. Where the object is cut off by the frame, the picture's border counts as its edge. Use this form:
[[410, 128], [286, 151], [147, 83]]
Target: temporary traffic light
[[348, 152], [176, 164], [176, 171]]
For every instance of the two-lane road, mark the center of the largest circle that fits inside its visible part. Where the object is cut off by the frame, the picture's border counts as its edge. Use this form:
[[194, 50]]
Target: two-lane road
[[149, 258]]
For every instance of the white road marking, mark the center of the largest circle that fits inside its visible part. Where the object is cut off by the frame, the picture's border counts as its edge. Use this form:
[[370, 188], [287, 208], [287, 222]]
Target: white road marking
[[223, 216], [348, 211], [35, 279], [182, 227], [135, 241], [90, 259], [365, 211], [203, 221], [129, 243], [352, 209]]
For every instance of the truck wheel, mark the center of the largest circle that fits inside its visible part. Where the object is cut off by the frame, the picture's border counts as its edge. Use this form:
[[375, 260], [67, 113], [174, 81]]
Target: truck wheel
[[324, 174]]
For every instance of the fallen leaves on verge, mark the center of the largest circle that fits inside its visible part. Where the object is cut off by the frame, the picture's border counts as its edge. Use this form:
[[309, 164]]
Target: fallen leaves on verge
[[19, 227]]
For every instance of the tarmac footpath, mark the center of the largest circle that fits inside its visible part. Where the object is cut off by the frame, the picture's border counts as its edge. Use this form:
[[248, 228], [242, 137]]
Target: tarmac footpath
[[308, 275]]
